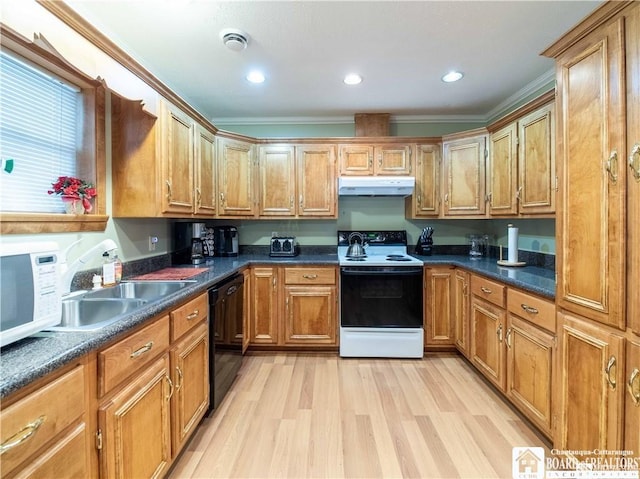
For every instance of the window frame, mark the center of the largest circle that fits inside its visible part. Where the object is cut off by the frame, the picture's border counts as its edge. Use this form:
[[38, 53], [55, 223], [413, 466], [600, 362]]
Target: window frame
[[91, 159]]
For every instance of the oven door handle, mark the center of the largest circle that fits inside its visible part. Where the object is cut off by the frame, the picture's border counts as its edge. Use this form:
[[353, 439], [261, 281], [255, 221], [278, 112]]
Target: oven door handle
[[366, 271]]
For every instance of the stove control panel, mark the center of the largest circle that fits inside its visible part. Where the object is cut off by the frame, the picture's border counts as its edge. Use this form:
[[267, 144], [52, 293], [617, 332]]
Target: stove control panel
[[372, 238]]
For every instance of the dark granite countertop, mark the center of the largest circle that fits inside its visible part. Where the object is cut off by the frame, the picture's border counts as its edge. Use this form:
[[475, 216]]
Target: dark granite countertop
[[34, 357]]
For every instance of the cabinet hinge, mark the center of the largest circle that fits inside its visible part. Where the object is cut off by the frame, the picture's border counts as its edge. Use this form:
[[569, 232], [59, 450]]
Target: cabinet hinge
[[486, 154], [556, 183], [99, 440]]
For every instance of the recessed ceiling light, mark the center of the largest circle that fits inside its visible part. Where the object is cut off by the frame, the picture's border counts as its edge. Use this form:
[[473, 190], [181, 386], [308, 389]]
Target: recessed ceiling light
[[352, 79], [255, 77], [452, 76]]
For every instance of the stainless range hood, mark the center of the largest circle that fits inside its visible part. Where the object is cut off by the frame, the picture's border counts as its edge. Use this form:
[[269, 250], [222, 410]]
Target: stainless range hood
[[376, 185]]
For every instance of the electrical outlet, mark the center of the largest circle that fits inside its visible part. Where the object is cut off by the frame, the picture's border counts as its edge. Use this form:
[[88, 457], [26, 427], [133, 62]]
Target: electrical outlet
[[153, 240]]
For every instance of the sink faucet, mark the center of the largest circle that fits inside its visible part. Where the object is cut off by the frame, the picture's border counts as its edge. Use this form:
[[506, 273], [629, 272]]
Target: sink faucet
[[69, 271]]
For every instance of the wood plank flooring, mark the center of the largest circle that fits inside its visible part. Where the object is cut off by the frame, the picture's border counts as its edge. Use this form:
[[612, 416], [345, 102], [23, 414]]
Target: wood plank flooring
[[300, 415]]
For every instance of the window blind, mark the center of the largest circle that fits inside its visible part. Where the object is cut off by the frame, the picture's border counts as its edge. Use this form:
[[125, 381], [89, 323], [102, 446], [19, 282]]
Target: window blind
[[39, 131]]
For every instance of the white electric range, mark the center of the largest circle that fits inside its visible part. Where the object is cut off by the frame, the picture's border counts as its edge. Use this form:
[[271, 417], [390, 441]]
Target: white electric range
[[381, 302]]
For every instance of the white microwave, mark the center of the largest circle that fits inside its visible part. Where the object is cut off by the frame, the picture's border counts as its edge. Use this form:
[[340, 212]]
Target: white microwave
[[30, 289]]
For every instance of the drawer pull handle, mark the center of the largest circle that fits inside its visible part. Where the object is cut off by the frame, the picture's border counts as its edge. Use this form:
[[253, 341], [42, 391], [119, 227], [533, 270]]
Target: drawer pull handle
[[499, 333], [22, 435], [529, 309], [632, 379], [485, 290], [610, 365], [146, 348], [310, 276], [193, 315], [508, 338]]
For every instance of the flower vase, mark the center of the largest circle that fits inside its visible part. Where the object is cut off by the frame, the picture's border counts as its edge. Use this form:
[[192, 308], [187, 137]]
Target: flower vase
[[73, 205]]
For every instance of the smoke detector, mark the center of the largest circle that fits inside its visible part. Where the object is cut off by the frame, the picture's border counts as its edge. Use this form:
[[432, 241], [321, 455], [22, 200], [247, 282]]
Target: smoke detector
[[234, 39]]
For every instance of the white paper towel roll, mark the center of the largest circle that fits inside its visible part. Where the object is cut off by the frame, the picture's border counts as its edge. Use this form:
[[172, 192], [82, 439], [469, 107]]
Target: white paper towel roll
[[512, 255]]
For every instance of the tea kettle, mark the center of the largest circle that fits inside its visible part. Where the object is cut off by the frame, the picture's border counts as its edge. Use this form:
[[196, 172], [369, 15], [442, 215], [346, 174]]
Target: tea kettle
[[355, 249]]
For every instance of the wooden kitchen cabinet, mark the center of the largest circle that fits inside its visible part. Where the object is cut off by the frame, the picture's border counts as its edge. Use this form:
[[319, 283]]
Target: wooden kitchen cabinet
[[190, 377], [316, 180], [531, 346], [590, 223], [589, 386], [264, 306], [388, 159], [277, 180], [488, 325], [461, 312], [632, 396], [521, 168], [425, 201], [464, 158], [135, 425], [205, 173], [439, 324], [44, 433], [176, 153], [297, 181], [236, 178], [172, 156], [502, 169], [310, 303]]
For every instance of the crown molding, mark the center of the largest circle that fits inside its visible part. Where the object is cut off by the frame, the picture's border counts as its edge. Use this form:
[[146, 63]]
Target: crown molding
[[510, 103]]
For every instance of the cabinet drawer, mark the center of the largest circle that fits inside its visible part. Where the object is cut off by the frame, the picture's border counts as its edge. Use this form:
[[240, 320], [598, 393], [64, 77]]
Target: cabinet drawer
[[39, 417], [189, 315], [532, 308], [489, 290], [310, 276], [124, 358]]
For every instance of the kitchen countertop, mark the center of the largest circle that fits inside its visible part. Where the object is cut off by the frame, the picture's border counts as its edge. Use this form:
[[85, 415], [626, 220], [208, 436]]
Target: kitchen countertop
[[32, 358]]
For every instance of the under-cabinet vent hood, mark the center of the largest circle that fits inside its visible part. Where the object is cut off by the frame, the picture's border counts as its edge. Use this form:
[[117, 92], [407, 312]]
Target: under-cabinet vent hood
[[376, 185]]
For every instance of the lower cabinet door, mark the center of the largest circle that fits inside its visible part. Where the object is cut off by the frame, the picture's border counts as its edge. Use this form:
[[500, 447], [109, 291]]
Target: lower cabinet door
[[310, 315], [190, 372], [135, 425], [632, 400], [530, 356], [439, 320], [591, 386], [460, 305], [488, 325]]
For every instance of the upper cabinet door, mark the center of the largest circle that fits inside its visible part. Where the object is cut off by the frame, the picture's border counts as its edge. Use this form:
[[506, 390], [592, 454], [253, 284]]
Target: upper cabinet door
[[536, 162], [177, 160], [356, 160], [503, 173], [392, 160], [464, 176], [590, 223], [317, 183], [205, 173], [277, 181], [425, 201], [235, 178]]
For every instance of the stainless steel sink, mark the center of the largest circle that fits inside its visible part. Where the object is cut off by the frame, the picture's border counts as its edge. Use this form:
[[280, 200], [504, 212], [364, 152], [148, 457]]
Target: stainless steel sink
[[148, 290], [88, 314]]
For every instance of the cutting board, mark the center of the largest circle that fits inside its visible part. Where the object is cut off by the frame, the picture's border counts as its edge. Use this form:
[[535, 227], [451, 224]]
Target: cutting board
[[171, 274]]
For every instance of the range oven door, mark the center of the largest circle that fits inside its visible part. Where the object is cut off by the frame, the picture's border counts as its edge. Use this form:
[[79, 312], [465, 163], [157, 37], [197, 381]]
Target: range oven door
[[381, 297]]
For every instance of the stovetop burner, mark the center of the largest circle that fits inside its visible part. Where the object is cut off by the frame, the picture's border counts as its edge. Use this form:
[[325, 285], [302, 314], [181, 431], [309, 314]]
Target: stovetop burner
[[362, 258], [397, 257]]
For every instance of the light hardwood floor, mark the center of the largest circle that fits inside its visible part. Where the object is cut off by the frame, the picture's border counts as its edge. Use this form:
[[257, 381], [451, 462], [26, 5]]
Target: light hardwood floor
[[299, 415]]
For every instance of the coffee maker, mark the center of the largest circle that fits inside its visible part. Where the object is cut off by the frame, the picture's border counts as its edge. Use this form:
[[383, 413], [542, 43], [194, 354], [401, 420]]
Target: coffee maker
[[188, 245], [226, 240]]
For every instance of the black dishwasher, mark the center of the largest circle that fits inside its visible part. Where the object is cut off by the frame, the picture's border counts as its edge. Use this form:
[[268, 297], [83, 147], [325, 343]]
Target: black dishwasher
[[225, 336]]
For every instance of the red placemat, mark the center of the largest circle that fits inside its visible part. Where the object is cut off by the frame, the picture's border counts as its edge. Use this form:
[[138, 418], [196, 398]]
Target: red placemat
[[169, 274]]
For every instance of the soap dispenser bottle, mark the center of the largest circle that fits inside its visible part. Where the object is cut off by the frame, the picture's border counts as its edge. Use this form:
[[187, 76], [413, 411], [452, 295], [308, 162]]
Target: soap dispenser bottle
[[117, 264], [108, 270]]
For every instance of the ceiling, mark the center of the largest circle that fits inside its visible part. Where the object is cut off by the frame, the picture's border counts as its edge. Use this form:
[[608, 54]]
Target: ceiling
[[305, 48]]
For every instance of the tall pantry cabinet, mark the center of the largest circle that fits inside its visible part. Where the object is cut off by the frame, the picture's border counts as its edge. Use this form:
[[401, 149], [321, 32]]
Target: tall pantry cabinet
[[597, 107]]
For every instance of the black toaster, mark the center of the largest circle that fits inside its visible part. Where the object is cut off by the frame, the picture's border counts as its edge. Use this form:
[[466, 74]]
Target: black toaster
[[283, 246]]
